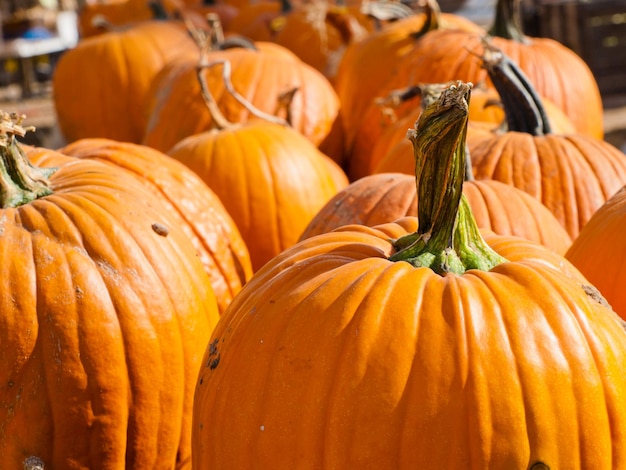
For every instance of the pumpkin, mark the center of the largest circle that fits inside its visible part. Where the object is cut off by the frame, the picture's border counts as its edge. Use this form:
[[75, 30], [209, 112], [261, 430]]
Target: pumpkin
[[571, 174], [318, 33], [387, 347], [261, 74], [100, 86], [271, 178], [103, 16], [369, 64], [385, 197], [105, 311], [598, 250], [556, 72], [199, 211]]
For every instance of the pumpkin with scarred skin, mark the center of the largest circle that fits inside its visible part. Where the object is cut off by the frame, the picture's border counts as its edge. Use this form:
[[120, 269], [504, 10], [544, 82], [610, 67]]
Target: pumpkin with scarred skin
[[105, 311]]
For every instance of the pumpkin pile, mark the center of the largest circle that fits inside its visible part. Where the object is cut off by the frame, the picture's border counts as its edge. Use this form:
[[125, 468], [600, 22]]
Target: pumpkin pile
[[313, 234]]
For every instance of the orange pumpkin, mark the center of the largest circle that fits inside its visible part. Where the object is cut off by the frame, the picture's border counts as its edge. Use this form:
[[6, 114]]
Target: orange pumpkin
[[353, 350], [271, 178], [318, 33], [571, 174], [369, 64], [199, 211], [598, 251], [106, 15], [262, 75], [105, 310], [385, 197], [101, 86], [556, 72]]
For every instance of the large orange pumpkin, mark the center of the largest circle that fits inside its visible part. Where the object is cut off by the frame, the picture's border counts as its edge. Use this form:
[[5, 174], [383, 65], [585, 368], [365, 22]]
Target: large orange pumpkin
[[354, 349], [199, 211], [105, 311], [598, 251]]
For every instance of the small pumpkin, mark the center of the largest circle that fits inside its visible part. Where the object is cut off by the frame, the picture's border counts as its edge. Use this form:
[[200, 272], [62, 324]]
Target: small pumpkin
[[105, 311], [398, 347]]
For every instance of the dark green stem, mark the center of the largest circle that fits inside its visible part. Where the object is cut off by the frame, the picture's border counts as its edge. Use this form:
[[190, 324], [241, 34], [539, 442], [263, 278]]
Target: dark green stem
[[158, 10], [507, 22], [522, 104], [285, 7], [20, 181], [432, 20], [447, 239]]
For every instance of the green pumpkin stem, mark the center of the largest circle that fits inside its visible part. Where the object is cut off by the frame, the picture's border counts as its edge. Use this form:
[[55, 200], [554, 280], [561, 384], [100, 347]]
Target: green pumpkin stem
[[507, 23], [447, 240], [522, 104], [20, 181]]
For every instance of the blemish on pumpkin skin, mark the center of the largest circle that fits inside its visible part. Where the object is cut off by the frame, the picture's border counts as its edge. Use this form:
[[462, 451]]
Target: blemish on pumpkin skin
[[214, 355], [595, 294], [539, 466], [160, 229], [33, 463]]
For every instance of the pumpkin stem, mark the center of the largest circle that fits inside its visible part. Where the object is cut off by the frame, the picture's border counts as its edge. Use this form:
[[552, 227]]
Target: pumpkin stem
[[383, 11], [522, 104], [20, 181], [284, 104], [285, 7], [429, 93], [219, 120], [158, 10], [507, 22], [432, 20], [447, 240]]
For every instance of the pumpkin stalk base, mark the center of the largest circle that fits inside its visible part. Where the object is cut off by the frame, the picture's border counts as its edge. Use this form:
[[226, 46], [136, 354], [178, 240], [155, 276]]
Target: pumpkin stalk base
[[447, 240], [20, 182]]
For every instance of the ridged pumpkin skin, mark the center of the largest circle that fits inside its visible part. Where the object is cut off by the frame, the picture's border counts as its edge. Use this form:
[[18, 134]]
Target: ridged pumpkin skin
[[100, 86], [333, 356], [177, 109], [598, 251], [385, 197], [104, 323], [271, 179], [572, 175], [198, 210]]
